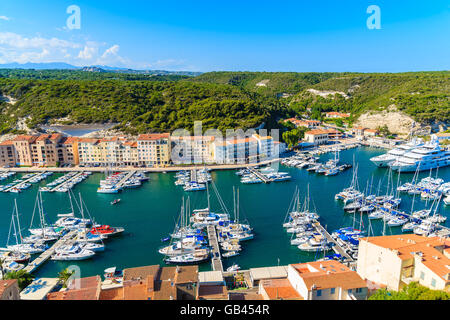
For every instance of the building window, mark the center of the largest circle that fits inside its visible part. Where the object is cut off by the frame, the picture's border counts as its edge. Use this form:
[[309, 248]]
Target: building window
[[422, 275], [349, 291], [358, 290], [433, 282], [332, 290], [319, 293]]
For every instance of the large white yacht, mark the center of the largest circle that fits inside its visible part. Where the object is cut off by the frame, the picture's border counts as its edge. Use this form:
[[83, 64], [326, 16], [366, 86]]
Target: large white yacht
[[429, 156], [385, 159]]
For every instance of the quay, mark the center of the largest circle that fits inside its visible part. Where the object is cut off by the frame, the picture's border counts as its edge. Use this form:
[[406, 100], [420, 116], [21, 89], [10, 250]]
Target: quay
[[66, 182], [132, 168], [36, 263], [216, 260], [336, 247], [119, 185], [261, 176], [25, 181]]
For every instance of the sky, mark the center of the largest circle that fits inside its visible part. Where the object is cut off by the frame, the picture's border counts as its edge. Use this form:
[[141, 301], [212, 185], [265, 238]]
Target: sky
[[245, 35]]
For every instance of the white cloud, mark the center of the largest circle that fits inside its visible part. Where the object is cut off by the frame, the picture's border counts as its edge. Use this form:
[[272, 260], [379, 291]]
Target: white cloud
[[88, 53], [22, 49], [5, 18]]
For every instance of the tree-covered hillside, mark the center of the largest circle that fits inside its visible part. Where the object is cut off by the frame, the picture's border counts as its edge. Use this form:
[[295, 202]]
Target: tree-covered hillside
[[148, 103], [423, 95], [139, 106]]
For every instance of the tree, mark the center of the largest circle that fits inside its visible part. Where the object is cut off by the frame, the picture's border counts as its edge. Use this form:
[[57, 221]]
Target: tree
[[24, 278], [291, 137], [384, 130], [64, 276], [413, 291], [339, 122]]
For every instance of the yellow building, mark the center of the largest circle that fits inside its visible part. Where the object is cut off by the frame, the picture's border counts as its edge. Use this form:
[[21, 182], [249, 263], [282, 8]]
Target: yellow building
[[90, 152], [192, 149], [154, 149], [394, 261]]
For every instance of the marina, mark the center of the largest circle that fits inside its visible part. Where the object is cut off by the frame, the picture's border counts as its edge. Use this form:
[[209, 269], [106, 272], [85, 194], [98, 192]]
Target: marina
[[26, 181], [264, 207]]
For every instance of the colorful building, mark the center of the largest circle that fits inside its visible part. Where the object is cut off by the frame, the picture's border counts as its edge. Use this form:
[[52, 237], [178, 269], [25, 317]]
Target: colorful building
[[395, 261], [154, 149]]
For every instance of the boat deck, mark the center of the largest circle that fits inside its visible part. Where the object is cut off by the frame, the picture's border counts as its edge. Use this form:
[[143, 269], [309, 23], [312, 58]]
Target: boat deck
[[43, 257]]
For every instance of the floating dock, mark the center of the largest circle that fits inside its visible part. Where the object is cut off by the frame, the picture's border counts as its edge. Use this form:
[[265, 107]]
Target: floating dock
[[36, 263], [261, 176], [119, 185], [216, 260], [25, 181], [336, 248], [63, 184]]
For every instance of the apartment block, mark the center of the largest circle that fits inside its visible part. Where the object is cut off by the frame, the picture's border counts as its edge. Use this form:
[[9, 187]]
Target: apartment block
[[394, 261], [22, 145], [192, 149], [7, 154], [154, 149]]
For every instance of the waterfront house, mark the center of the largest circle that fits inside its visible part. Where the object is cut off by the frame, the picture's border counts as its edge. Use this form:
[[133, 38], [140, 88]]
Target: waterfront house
[[22, 145], [89, 152], [154, 149], [371, 132], [7, 154], [394, 261], [326, 280], [192, 149], [211, 286], [317, 136], [70, 145]]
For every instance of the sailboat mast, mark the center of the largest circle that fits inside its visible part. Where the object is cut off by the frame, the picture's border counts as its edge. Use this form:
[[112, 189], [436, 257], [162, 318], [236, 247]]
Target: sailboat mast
[[18, 221]]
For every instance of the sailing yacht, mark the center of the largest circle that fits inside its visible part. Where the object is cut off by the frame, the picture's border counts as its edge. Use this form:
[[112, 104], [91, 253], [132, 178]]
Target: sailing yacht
[[392, 155], [428, 156]]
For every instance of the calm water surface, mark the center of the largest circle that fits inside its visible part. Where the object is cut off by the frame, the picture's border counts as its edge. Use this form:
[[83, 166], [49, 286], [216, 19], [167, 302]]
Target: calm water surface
[[148, 213]]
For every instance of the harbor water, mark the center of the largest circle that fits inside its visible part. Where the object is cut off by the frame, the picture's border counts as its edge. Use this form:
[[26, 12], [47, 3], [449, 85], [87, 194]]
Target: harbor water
[[149, 213]]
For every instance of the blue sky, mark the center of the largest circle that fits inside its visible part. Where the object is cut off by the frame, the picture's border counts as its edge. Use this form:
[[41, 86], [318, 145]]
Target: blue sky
[[301, 35]]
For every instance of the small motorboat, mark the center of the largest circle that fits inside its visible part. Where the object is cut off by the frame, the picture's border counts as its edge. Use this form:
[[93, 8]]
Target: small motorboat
[[116, 201], [165, 239], [233, 268]]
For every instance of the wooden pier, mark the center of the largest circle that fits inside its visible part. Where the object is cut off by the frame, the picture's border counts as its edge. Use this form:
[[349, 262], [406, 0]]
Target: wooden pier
[[261, 176], [216, 260], [25, 181], [336, 247], [36, 263], [66, 182]]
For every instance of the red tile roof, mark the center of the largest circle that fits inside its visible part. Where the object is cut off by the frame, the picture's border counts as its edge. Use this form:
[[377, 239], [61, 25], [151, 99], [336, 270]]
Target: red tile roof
[[154, 136]]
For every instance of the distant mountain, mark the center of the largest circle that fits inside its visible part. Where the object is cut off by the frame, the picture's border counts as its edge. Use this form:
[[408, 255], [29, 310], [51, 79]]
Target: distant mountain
[[96, 68]]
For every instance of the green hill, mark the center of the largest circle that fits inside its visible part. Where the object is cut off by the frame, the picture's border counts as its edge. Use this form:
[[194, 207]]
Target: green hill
[[146, 103]]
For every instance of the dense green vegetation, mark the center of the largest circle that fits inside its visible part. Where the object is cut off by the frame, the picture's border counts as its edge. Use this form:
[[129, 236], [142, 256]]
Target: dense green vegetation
[[24, 279], [423, 95], [154, 103], [413, 291], [138, 106], [85, 75]]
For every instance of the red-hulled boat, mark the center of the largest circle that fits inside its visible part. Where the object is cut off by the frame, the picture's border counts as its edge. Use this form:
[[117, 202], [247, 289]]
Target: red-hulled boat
[[105, 230]]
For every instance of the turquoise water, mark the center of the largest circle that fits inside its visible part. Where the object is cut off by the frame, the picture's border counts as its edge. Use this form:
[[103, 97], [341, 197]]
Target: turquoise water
[[148, 213]]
